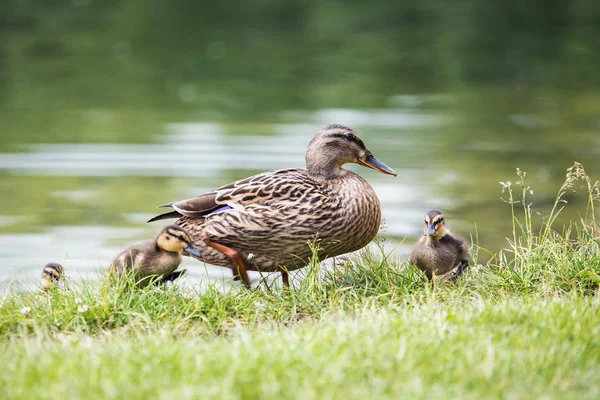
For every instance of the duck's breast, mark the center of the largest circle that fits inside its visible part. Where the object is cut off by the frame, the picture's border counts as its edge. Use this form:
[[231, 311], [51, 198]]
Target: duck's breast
[[356, 215]]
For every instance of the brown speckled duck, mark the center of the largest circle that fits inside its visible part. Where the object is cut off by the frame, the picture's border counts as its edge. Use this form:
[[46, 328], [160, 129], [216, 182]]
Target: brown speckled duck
[[266, 222], [52, 275], [438, 251], [155, 258]]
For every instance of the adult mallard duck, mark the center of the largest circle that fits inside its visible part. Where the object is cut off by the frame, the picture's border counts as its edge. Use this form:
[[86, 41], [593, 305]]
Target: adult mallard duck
[[154, 258], [439, 251], [266, 222]]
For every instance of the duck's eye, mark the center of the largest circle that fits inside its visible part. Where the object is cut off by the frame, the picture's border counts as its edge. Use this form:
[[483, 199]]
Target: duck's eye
[[348, 136]]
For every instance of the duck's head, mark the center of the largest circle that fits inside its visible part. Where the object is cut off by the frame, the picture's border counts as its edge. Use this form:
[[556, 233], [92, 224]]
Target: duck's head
[[336, 145], [435, 227], [51, 275], [175, 239]]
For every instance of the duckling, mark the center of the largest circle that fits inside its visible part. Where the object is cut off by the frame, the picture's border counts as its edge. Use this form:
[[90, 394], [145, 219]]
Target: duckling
[[155, 258], [438, 251], [52, 275]]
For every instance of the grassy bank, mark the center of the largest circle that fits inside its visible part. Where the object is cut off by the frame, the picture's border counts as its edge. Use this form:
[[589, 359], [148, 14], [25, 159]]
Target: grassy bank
[[525, 325], [513, 348]]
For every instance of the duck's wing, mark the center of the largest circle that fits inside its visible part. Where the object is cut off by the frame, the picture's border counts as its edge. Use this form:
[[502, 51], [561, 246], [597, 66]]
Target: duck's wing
[[416, 253], [125, 260], [264, 188], [466, 248]]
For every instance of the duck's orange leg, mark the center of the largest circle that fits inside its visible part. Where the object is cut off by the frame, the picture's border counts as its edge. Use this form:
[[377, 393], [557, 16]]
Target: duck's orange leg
[[239, 266]]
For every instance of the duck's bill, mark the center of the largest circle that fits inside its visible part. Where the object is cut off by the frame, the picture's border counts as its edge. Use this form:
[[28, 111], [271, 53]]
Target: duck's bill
[[192, 250], [430, 230], [51, 274], [371, 162]]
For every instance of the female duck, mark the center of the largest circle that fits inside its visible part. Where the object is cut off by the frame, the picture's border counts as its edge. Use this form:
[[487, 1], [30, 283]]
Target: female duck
[[266, 222], [438, 251], [52, 275], [155, 258]]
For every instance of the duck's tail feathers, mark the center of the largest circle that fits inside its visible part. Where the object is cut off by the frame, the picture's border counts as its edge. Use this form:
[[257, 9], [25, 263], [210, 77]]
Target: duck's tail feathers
[[171, 214]]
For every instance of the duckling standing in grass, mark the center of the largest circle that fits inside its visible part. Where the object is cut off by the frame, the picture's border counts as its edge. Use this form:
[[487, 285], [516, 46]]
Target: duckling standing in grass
[[51, 276], [155, 258], [438, 251]]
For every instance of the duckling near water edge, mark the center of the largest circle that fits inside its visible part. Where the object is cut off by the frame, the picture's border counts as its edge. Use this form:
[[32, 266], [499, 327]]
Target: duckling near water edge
[[155, 258], [438, 251], [52, 275], [266, 222]]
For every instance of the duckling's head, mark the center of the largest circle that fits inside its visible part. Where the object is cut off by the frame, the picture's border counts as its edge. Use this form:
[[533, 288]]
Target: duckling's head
[[175, 239], [336, 145], [435, 227], [51, 275]]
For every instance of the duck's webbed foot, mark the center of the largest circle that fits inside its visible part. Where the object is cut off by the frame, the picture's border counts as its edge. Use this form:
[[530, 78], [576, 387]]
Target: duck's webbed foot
[[239, 266], [460, 270], [429, 275], [173, 276]]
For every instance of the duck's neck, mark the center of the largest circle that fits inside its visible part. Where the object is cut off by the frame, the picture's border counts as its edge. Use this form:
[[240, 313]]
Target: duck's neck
[[324, 168]]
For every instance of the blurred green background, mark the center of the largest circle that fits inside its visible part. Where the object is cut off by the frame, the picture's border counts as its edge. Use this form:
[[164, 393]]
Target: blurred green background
[[109, 108]]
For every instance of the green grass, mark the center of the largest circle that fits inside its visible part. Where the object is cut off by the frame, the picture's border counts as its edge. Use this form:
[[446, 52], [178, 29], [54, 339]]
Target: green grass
[[525, 325], [518, 349]]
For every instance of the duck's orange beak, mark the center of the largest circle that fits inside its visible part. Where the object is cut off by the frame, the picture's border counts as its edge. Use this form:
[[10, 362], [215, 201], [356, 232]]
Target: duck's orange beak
[[371, 162]]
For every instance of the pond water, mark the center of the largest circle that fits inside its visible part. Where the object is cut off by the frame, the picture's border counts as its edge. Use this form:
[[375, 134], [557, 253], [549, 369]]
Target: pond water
[[81, 203]]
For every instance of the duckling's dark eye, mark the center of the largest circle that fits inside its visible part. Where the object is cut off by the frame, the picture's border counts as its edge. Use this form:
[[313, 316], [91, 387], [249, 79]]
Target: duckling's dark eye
[[348, 136]]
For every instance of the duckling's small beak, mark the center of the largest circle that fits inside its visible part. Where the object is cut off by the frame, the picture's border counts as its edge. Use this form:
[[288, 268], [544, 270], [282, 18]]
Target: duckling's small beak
[[430, 230], [190, 249], [371, 162]]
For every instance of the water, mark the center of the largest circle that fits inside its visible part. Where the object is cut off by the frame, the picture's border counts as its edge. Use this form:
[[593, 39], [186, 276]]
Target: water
[[191, 150], [81, 203]]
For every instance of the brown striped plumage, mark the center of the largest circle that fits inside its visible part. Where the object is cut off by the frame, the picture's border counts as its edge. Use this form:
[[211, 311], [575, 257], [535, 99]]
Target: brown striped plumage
[[438, 251], [272, 217]]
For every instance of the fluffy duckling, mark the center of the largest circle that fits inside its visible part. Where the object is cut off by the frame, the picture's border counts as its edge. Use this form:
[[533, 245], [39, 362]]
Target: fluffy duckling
[[438, 251], [155, 258], [51, 276]]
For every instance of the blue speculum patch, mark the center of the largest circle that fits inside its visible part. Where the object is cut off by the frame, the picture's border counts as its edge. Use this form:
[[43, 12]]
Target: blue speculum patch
[[221, 209]]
